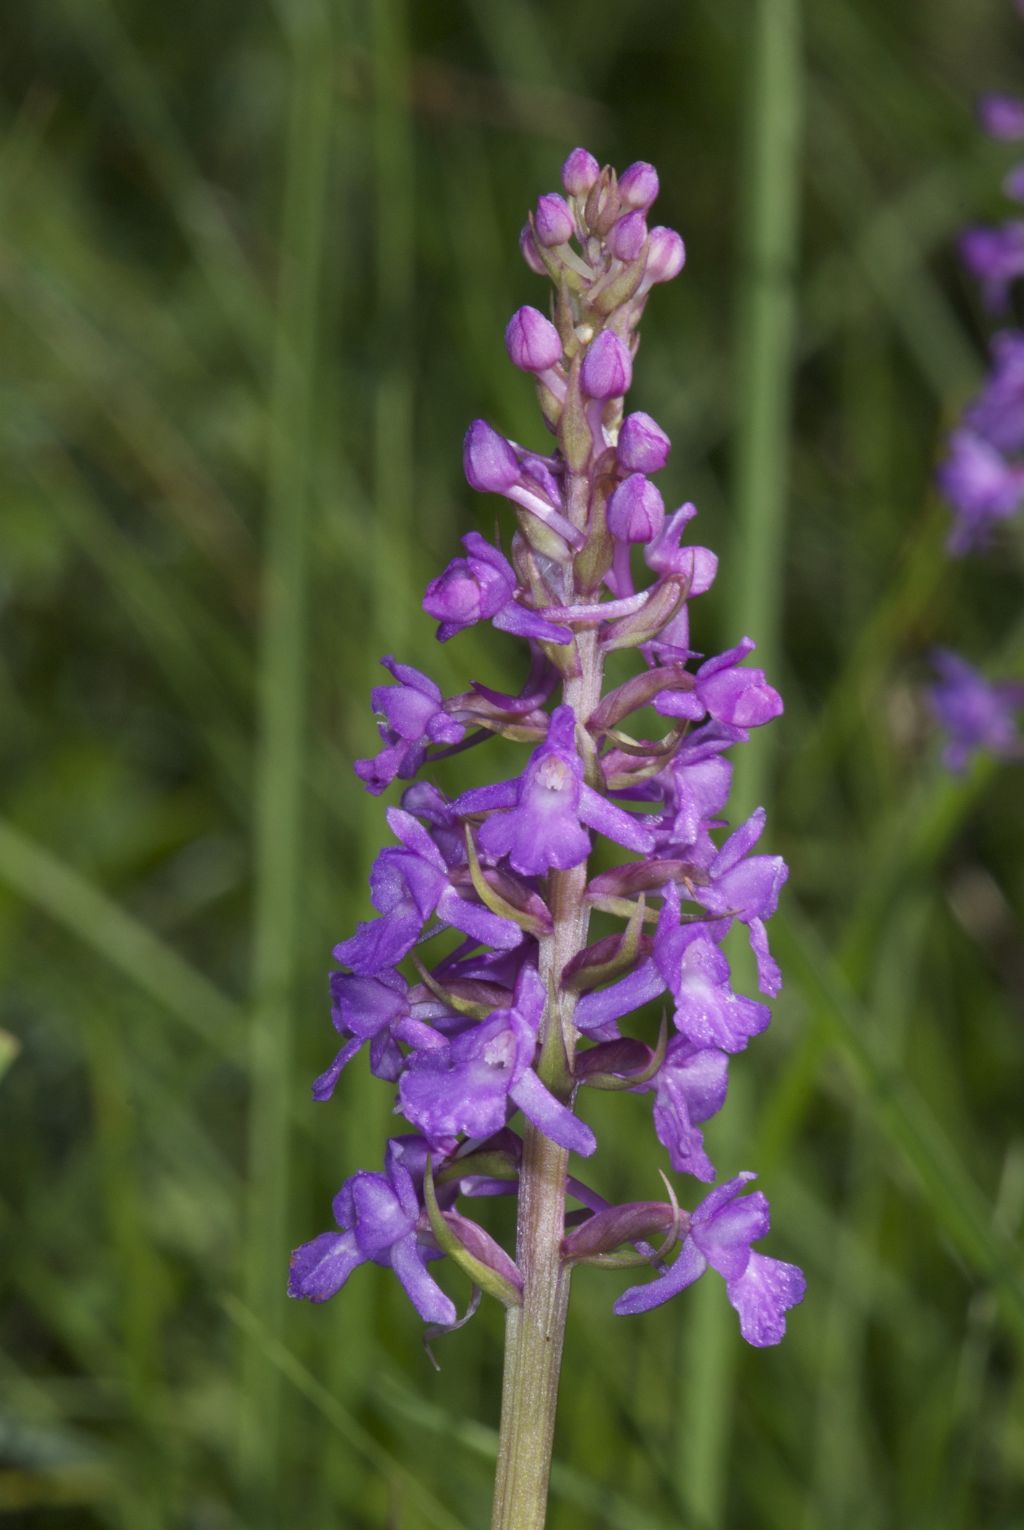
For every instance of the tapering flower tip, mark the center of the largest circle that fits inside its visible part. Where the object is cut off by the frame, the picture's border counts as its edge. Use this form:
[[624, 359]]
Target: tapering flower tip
[[529, 251], [1002, 116], [638, 185], [488, 460], [579, 172], [552, 220], [607, 369], [532, 341], [636, 510], [666, 254], [643, 446], [626, 238]]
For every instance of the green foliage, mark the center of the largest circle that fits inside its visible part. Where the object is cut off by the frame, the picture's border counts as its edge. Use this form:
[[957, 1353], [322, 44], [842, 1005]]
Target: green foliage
[[254, 270]]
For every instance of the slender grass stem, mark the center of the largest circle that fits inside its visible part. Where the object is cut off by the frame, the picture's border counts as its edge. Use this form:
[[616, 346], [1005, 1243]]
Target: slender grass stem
[[280, 765], [764, 365], [395, 282], [384, 581], [217, 251], [72, 901]]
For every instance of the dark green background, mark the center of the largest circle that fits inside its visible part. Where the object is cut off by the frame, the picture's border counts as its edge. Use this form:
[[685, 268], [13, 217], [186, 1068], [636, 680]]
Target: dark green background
[[255, 262]]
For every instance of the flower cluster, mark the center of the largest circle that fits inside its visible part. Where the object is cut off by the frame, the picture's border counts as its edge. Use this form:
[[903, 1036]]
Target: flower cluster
[[482, 995], [982, 475]]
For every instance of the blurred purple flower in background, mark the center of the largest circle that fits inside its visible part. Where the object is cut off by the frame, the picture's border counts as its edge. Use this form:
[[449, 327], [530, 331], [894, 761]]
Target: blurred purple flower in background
[[975, 713], [982, 475]]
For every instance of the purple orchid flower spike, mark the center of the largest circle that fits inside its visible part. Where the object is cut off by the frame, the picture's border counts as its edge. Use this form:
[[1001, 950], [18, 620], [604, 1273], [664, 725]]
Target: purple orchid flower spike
[[478, 989], [538, 819], [722, 1229]]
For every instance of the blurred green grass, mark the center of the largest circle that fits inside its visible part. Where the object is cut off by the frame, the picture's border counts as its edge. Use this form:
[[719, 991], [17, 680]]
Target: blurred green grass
[[254, 266]]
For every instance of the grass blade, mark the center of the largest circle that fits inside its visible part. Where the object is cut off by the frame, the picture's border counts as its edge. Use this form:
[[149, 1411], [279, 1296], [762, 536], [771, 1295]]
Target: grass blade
[[281, 762]]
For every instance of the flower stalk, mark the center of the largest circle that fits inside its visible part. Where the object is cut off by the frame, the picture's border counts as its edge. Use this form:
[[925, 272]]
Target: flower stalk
[[512, 1013], [535, 1332]]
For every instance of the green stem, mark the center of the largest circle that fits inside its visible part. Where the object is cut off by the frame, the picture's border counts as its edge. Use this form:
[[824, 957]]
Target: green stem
[[533, 1340], [535, 1331]]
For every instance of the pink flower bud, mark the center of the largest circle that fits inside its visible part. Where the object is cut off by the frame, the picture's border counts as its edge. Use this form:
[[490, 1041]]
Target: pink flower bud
[[607, 369], [638, 186], [488, 460], [666, 255], [579, 173], [636, 510], [643, 445], [532, 341], [626, 238], [552, 220], [529, 251]]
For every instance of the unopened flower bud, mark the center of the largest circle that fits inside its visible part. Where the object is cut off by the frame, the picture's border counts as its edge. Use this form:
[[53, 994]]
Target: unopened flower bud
[[470, 588], [552, 220], [607, 367], [532, 341], [638, 185], [603, 203], [643, 446], [666, 255], [488, 460], [579, 172], [529, 251], [636, 510], [626, 238]]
